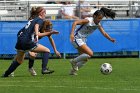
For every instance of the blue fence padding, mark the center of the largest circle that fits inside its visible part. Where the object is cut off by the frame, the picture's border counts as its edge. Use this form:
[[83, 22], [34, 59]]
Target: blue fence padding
[[126, 32]]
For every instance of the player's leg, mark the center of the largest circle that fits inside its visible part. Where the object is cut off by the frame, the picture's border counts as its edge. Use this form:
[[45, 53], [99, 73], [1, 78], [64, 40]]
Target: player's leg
[[18, 60], [45, 69], [13, 74], [78, 62], [32, 56], [84, 50], [86, 53], [46, 52]]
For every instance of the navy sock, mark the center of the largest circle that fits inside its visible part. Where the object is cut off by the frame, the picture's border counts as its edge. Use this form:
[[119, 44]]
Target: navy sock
[[31, 63], [11, 68], [45, 60]]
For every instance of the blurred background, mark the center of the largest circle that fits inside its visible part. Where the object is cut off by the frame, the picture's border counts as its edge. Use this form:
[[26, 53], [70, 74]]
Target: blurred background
[[125, 28], [20, 9]]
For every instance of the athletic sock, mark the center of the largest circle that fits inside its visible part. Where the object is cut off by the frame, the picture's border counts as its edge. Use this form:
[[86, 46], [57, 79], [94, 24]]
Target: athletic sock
[[11, 68], [45, 60], [31, 63], [82, 57], [81, 64]]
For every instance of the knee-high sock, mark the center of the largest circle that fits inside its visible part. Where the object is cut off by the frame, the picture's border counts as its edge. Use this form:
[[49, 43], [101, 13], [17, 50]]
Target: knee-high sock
[[31, 63], [45, 60], [11, 68], [82, 57], [81, 64]]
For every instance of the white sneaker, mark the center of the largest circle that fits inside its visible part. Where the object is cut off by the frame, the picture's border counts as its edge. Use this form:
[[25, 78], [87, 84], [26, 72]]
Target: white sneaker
[[12, 74], [73, 64], [32, 71], [73, 72]]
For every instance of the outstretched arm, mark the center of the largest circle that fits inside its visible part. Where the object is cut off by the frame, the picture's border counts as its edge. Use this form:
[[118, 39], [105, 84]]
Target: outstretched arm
[[105, 34], [54, 46], [47, 33]]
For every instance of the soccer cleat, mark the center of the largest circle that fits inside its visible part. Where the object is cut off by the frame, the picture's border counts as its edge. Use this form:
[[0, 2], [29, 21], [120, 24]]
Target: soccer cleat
[[4, 76], [32, 71], [73, 72], [47, 71], [12, 74], [73, 64]]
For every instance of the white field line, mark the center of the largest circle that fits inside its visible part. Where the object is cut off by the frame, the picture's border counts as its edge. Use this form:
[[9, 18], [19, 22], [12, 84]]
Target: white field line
[[99, 88], [31, 81]]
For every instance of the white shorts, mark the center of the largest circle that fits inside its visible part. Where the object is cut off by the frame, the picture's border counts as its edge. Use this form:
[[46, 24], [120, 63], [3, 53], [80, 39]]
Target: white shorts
[[78, 42]]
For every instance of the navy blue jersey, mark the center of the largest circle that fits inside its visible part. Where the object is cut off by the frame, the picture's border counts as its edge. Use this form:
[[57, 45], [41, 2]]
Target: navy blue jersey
[[26, 35]]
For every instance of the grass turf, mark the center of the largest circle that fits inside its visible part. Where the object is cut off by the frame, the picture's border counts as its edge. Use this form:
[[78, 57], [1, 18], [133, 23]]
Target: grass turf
[[125, 77]]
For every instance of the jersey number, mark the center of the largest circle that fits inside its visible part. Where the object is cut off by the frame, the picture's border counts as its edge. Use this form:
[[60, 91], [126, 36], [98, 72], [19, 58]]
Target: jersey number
[[28, 24]]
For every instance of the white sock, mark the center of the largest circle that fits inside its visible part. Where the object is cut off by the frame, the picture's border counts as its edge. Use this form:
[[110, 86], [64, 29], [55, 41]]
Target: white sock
[[81, 64], [82, 57]]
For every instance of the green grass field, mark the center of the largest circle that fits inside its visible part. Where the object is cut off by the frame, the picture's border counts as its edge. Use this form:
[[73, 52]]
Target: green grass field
[[125, 77]]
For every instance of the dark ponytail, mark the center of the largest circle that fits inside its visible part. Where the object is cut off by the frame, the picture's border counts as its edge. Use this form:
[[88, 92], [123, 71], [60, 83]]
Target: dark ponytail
[[33, 13], [108, 12], [105, 12]]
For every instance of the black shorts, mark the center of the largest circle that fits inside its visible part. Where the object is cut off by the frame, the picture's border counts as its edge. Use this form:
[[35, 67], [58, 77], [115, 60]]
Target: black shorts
[[24, 44]]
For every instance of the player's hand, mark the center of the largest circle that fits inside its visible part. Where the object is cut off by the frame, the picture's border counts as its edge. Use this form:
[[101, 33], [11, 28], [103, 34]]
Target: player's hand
[[71, 37], [58, 54], [32, 54], [113, 40], [54, 32]]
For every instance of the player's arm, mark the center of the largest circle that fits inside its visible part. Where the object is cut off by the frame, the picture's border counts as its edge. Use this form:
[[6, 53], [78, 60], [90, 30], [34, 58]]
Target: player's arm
[[40, 35], [44, 34], [104, 33], [46, 30], [36, 32], [54, 46], [75, 23]]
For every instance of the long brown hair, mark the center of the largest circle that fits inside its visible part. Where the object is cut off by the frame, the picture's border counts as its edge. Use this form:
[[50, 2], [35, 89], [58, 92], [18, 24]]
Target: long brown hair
[[35, 12]]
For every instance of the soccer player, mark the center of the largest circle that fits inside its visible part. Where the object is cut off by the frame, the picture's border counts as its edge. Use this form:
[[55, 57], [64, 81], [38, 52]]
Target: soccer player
[[32, 55], [78, 37], [27, 40]]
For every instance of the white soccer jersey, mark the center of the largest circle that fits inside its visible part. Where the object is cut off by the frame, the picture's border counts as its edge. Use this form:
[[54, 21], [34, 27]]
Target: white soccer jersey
[[84, 30]]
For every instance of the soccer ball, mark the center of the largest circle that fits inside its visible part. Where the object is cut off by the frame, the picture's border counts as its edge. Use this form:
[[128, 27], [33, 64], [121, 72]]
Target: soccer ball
[[106, 68]]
